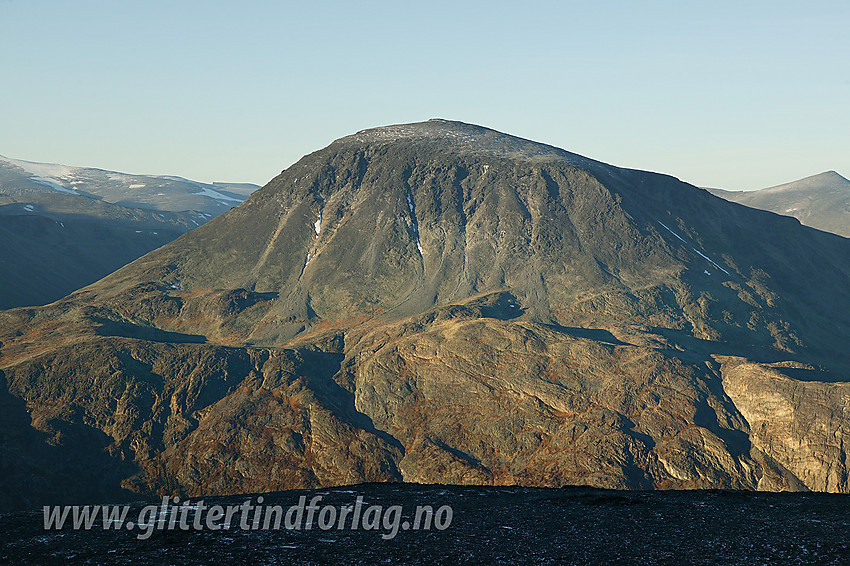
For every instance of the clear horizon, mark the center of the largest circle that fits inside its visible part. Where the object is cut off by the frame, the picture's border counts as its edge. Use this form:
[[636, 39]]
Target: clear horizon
[[723, 95]]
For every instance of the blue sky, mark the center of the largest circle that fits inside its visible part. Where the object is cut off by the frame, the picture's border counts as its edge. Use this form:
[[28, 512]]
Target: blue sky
[[738, 95]]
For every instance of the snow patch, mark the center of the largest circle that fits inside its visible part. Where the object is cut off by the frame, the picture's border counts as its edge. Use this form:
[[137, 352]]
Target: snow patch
[[54, 184], [711, 261], [671, 231], [29, 208], [317, 225], [216, 195], [705, 257], [137, 186], [45, 170], [138, 231], [412, 224]]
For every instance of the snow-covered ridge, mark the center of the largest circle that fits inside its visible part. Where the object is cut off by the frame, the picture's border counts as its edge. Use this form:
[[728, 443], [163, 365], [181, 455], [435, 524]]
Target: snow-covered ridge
[[44, 170], [50, 175], [162, 192]]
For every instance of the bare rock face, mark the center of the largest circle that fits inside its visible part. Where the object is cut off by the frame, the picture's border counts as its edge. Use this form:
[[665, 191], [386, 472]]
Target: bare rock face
[[801, 424], [442, 303]]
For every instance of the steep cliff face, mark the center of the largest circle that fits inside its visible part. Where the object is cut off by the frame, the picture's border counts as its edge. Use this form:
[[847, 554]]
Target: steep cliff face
[[801, 424], [439, 302]]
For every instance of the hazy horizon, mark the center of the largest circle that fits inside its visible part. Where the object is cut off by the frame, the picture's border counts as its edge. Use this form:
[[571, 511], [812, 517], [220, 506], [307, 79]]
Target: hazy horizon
[[237, 182], [738, 97]]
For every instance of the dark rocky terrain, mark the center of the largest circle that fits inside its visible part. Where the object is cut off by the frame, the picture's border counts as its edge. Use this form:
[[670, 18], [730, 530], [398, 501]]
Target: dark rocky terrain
[[443, 303], [65, 227], [820, 201], [490, 525]]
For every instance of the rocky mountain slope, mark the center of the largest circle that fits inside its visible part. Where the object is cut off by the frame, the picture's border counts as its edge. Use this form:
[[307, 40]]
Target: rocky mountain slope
[[65, 227], [820, 201], [440, 302]]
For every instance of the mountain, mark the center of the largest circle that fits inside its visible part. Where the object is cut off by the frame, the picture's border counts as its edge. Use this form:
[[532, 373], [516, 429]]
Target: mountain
[[65, 227], [155, 192], [443, 303], [820, 201]]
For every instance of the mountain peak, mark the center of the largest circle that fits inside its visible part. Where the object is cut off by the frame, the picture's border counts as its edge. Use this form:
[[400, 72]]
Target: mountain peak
[[826, 182], [464, 138], [831, 176], [409, 305], [821, 201]]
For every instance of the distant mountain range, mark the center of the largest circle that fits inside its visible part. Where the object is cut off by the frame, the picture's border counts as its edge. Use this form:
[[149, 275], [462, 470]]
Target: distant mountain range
[[442, 303], [820, 201], [155, 192], [65, 227]]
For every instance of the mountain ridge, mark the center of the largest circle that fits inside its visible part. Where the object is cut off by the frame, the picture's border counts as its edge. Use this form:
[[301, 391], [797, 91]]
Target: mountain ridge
[[160, 192], [411, 309], [821, 201], [64, 227]]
